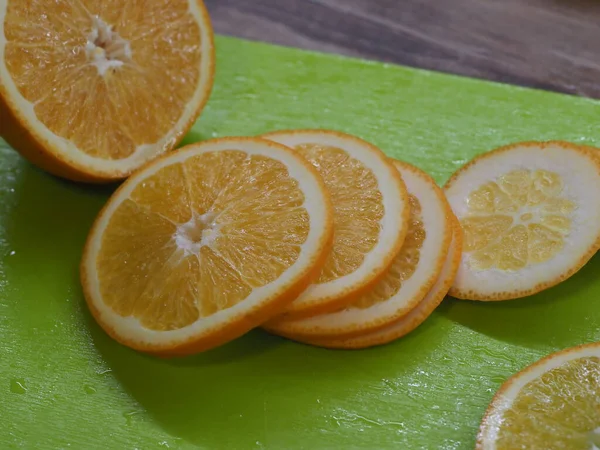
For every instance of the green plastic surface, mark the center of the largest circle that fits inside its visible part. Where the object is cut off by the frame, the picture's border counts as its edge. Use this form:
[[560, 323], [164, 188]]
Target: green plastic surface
[[65, 384]]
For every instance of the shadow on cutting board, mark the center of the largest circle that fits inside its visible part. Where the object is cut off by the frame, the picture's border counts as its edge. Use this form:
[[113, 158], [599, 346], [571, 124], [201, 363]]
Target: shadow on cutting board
[[557, 318], [253, 381], [235, 384]]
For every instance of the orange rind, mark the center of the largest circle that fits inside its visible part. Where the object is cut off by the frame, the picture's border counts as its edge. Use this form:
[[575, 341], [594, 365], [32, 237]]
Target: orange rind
[[91, 90], [182, 259], [406, 283], [551, 404], [370, 219], [530, 216]]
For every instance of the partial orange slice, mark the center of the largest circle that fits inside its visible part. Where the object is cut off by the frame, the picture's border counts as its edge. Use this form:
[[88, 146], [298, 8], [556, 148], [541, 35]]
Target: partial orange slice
[[370, 220], [92, 89], [408, 280], [205, 243], [530, 216], [415, 317], [552, 404]]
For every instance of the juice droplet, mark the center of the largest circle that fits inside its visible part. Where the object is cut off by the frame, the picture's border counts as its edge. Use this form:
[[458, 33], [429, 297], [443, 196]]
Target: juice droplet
[[17, 386], [129, 416], [89, 389], [498, 379]]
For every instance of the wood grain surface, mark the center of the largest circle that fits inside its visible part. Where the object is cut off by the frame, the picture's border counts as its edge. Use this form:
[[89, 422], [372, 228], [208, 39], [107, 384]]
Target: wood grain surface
[[548, 44]]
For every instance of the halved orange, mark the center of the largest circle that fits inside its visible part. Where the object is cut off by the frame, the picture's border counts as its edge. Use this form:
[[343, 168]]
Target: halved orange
[[90, 90], [205, 243], [407, 281], [370, 219], [552, 404], [530, 216], [415, 317]]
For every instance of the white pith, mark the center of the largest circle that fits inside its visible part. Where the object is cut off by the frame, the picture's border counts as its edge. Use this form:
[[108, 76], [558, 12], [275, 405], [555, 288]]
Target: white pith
[[390, 223], [64, 148], [414, 318], [432, 255], [581, 179], [494, 420], [105, 49], [201, 230]]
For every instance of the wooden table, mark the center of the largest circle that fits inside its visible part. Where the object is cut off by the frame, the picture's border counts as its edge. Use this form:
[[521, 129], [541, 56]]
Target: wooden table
[[548, 44]]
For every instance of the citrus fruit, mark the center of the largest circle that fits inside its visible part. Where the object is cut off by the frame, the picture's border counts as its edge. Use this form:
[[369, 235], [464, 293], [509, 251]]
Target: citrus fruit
[[406, 282], [370, 219], [415, 317], [552, 404], [92, 89], [205, 243], [530, 218]]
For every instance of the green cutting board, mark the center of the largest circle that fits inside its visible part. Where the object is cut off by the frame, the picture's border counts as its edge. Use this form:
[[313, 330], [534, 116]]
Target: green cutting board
[[65, 384]]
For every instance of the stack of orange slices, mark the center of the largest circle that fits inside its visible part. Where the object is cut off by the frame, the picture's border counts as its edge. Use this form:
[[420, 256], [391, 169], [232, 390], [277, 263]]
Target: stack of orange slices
[[317, 236]]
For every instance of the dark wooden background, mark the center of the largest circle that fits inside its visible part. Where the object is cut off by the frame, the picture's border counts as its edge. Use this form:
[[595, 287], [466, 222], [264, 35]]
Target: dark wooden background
[[548, 44]]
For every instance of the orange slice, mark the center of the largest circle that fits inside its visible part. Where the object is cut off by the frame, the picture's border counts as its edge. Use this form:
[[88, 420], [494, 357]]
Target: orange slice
[[407, 281], [530, 217], [205, 243], [90, 90], [552, 404], [370, 219], [415, 317]]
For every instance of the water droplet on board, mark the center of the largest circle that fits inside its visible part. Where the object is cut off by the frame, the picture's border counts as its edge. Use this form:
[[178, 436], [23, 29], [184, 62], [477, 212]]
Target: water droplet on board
[[129, 416], [17, 386], [12, 253], [89, 389], [498, 379]]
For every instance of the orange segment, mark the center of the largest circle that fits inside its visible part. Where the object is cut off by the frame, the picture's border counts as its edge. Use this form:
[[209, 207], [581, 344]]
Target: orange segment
[[358, 207], [550, 404], [221, 285], [167, 193], [168, 301], [526, 228], [543, 243], [507, 248], [404, 265], [101, 87], [490, 198], [126, 261], [182, 259], [480, 231], [210, 173], [370, 219], [406, 282]]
